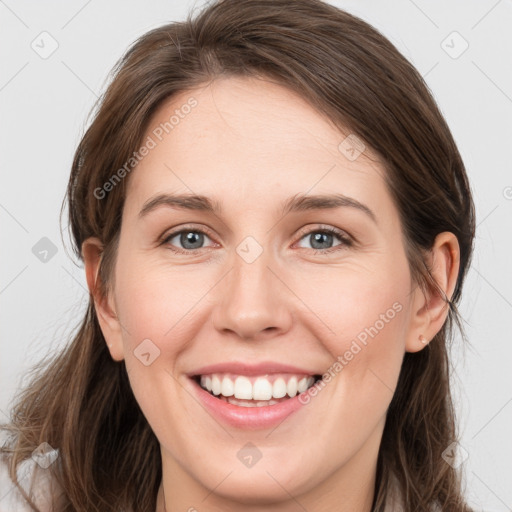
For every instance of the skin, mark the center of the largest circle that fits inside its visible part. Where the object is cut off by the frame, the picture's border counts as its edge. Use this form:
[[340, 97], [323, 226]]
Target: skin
[[251, 144]]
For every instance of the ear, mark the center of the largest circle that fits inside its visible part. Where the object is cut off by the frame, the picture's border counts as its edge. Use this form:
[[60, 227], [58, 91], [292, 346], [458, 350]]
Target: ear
[[430, 311], [92, 251]]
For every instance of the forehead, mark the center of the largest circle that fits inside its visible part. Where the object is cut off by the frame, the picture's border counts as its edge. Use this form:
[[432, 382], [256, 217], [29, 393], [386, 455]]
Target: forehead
[[243, 139]]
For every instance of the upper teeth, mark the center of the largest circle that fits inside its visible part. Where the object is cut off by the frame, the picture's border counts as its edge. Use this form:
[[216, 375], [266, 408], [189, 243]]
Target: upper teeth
[[256, 388]]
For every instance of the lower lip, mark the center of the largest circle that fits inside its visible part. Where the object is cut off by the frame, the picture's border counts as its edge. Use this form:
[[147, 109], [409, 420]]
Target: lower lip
[[248, 417]]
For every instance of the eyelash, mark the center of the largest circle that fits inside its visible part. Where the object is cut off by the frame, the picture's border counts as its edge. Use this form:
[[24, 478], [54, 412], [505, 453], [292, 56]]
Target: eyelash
[[345, 240]]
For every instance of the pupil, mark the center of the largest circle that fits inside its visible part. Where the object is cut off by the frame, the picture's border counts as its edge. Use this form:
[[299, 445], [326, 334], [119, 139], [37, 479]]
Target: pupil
[[319, 238], [193, 238]]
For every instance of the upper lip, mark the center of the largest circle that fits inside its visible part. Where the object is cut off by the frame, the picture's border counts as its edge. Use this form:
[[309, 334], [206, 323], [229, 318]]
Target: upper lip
[[240, 368]]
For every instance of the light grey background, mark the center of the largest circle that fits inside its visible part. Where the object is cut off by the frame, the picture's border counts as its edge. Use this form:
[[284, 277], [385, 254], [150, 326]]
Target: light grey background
[[44, 104]]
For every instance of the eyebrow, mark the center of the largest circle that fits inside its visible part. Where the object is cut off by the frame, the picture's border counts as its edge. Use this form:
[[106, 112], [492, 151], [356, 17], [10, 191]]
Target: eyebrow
[[181, 201], [296, 203], [324, 202]]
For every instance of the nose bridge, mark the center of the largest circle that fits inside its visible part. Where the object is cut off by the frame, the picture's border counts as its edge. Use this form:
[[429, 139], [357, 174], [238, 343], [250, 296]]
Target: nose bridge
[[253, 302]]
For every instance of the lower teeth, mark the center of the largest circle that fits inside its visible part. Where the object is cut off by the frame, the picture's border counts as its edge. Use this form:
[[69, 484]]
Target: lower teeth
[[247, 403]]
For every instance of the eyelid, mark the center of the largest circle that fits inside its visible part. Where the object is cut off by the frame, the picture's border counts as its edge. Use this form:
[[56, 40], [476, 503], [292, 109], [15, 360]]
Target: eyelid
[[324, 227]]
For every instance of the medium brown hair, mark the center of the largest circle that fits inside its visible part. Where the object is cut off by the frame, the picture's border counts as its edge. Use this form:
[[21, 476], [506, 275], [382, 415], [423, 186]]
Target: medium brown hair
[[82, 403]]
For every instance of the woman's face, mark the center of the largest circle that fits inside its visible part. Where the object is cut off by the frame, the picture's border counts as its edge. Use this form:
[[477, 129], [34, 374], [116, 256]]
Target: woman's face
[[252, 296]]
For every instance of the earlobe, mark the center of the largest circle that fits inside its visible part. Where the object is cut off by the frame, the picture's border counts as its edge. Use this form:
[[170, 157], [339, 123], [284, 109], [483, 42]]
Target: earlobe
[[415, 345], [431, 309], [92, 253]]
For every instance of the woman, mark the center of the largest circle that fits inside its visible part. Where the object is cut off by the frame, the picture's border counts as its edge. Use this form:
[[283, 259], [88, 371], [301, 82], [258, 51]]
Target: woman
[[294, 356]]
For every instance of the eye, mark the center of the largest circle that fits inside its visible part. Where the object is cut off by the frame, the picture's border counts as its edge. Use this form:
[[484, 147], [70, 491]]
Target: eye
[[322, 239], [189, 240]]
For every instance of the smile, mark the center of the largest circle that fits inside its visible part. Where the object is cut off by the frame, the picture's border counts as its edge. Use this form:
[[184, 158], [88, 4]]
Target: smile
[[251, 396], [255, 391]]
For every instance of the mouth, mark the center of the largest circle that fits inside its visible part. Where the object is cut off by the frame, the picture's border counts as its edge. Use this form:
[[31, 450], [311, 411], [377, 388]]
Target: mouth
[[255, 390], [252, 395]]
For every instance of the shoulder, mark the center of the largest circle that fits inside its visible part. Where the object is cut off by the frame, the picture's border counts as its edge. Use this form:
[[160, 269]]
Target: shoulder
[[34, 476]]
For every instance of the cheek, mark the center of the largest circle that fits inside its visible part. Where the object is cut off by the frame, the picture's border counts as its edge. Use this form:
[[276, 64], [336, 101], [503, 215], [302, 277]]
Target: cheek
[[154, 299], [156, 305], [359, 305], [367, 310]]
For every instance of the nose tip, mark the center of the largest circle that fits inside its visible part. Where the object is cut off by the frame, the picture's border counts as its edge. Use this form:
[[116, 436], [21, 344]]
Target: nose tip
[[253, 303], [249, 327]]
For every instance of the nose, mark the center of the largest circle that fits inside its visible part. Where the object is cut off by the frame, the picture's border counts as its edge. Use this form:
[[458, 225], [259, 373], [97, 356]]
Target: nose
[[254, 303]]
